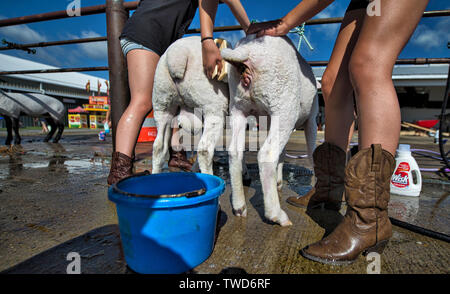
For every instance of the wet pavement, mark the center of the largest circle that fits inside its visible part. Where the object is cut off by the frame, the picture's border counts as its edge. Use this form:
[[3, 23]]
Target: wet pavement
[[53, 201]]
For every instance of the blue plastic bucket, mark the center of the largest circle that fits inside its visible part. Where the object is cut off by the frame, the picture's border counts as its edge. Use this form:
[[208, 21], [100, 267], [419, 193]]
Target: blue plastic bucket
[[165, 225]]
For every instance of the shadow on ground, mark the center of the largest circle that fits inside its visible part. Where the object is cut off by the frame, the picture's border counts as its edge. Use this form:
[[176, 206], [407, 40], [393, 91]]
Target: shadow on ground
[[98, 249]]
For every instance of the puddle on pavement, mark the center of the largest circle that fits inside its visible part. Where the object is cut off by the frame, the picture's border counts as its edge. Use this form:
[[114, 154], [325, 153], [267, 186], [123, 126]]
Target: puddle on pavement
[[54, 158], [404, 208], [3, 174], [36, 164], [295, 177], [80, 166]]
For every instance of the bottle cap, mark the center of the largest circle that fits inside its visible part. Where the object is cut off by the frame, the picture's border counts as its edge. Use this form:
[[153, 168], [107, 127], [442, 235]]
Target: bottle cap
[[404, 147]]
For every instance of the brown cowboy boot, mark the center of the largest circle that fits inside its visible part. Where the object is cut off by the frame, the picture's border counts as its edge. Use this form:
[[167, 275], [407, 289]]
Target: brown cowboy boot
[[366, 226], [178, 159], [121, 167], [329, 169]]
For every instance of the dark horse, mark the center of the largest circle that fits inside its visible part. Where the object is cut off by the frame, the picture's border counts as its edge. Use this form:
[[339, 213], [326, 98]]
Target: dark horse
[[12, 105]]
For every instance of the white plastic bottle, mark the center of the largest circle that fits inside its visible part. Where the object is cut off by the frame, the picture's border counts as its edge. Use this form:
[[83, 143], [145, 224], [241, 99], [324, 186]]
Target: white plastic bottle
[[406, 180]]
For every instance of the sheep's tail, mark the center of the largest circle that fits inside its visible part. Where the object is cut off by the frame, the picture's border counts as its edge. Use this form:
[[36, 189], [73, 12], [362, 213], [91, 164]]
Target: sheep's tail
[[177, 58], [238, 55]]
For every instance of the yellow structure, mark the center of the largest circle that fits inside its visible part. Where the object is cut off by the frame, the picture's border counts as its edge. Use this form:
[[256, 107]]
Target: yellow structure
[[96, 121], [78, 121]]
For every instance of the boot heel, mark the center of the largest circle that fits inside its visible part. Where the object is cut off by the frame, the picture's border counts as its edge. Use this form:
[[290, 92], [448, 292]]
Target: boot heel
[[378, 248]]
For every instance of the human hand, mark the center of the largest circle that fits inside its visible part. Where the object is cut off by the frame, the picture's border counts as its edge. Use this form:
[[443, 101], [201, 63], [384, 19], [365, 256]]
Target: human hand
[[271, 28], [211, 58]]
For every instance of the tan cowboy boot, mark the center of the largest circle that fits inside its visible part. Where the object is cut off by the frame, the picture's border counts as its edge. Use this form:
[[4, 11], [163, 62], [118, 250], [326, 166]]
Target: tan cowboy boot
[[329, 169], [178, 159], [121, 167], [366, 226]]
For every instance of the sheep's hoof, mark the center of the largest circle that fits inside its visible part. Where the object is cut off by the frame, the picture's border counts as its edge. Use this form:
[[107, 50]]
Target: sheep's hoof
[[286, 223], [282, 219], [242, 212]]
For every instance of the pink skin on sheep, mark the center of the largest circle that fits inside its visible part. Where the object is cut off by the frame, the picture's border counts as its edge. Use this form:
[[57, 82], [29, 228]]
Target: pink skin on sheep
[[244, 68]]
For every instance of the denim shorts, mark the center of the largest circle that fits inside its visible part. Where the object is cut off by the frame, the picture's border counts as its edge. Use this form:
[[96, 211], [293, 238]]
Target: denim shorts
[[128, 45]]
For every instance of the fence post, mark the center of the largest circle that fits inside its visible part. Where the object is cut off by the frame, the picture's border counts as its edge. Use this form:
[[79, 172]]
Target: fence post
[[119, 92]]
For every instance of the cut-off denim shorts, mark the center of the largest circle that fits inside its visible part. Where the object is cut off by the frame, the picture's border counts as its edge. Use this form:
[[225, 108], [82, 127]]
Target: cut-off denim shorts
[[128, 45]]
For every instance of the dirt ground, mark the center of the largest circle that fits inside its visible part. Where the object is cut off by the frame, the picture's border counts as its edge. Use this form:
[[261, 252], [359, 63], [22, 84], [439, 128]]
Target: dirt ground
[[53, 201]]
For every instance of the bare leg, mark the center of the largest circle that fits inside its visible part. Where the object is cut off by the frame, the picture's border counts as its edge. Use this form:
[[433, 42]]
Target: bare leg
[[141, 72], [336, 86], [44, 127], [366, 226], [380, 42]]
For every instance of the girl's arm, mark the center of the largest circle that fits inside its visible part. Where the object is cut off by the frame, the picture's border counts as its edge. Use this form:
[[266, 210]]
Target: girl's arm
[[304, 11], [239, 13], [210, 53], [207, 12]]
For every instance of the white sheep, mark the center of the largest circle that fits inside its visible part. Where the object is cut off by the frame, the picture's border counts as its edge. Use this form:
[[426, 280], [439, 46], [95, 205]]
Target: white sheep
[[280, 84], [180, 83], [282, 87], [12, 105]]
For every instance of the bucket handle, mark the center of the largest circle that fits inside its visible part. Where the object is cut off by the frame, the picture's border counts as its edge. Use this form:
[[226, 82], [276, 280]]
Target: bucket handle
[[188, 194]]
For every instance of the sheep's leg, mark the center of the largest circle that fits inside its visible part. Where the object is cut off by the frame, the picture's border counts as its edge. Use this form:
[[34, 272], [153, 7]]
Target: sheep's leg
[[9, 137], [60, 126], [268, 158], [52, 124], [15, 126], [161, 145], [236, 152], [280, 171], [211, 134]]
